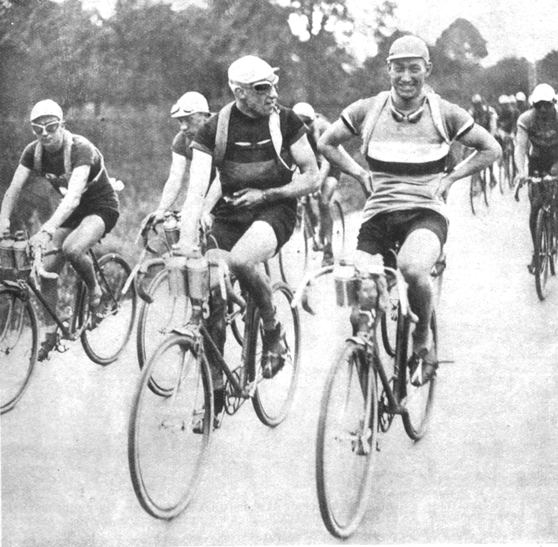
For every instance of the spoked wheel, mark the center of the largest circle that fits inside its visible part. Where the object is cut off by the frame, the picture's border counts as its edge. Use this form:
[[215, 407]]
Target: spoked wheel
[[338, 235], [293, 256], [165, 455], [418, 401], [19, 334], [236, 315], [477, 191], [543, 246], [109, 331], [389, 319], [157, 319], [274, 396], [346, 443]]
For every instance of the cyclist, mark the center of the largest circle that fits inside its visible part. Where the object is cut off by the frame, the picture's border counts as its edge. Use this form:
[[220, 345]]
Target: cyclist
[[506, 121], [255, 144], [522, 102], [191, 111], [485, 116], [536, 148], [328, 177], [88, 210], [406, 134]]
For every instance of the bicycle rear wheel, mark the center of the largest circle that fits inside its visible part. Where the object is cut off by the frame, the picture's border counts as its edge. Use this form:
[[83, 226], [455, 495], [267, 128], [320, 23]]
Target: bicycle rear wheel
[[338, 235], [106, 336], [19, 334], [274, 396], [346, 442], [157, 319], [293, 256], [418, 401], [543, 245], [166, 458]]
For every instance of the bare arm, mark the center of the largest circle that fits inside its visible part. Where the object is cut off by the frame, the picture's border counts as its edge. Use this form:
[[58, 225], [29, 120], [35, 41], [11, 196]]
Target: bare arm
[[487, 152], [12, 193], [76, 187], [179, 168], [521, 151], [330, 146]]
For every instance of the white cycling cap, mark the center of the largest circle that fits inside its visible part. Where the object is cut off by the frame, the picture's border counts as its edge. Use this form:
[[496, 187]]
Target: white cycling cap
[[46, 108], [408, 47], [543, 92], [188, 104], [520, 96], [304, 110], [251, 70]]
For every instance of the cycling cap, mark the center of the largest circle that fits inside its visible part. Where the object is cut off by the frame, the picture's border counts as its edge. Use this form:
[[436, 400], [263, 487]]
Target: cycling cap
[[520, 96], [189, 103], [503, 99], [408, 46], [251, 70], [476, 98], [305, 110], [543, 92], [46, 108]]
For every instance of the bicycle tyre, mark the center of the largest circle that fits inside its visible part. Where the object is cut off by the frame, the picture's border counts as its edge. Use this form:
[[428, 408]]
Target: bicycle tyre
[[156, 320], [388, 322], [18, 350], [294, 255], [542, 254], [165, 483], [338, 236], [474, 188], [346, 450], [273, 397], [418, 401], [106, 341]]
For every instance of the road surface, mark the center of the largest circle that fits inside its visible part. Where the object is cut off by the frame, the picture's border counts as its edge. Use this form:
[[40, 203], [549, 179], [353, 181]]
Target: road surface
[[486, 471]]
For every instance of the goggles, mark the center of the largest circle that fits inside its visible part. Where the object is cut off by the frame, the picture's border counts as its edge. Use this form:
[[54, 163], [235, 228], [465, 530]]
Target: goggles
[[263, 87], [413, 117], [51, 127]]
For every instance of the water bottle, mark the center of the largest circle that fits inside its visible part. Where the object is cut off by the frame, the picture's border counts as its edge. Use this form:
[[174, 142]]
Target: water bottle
[[198, 277], [176, 266], [22, 260], [345, 284], [7, 260], [171, 229]]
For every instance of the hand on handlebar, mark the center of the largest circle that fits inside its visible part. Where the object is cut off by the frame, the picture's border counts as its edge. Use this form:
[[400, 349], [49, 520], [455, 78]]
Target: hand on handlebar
[[40, 240], [518, 183], [151, 220]]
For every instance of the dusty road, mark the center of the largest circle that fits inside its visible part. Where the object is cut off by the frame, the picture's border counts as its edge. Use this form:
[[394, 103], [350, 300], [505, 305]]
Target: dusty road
[[486, 471]]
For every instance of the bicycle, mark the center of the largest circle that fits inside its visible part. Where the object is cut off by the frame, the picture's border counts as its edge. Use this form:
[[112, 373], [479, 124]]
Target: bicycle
[[368, 384], [507, 164], [295, 254], [103, 334], [478, 189], [166, 456], [546, 231]]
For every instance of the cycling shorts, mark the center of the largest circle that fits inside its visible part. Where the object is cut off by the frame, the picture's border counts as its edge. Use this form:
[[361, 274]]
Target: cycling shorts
[[281, 216], [386, 231], [108, 213]]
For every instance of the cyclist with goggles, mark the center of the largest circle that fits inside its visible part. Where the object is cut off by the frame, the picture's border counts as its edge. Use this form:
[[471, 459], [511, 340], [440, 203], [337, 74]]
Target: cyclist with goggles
[[406, 137], [256, 144], [536, 148], [328, 177], [87, 211], [191, 111]]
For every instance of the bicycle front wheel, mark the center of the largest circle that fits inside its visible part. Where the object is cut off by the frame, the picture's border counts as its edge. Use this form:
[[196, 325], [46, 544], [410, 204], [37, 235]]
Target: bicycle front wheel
[[157, 319], [543, 244], [418, 401], [274, 396], [346, 442], [166, 457], [19, 334], [106, 336]]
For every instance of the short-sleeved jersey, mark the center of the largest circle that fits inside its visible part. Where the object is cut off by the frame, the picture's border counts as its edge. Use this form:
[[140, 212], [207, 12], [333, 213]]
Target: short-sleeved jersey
[[181, 145], [83, 152], [407, 159], [542, 134], [250, 159]]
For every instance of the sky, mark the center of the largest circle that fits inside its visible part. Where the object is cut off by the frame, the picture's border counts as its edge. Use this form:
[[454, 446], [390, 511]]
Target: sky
[[522, 28]]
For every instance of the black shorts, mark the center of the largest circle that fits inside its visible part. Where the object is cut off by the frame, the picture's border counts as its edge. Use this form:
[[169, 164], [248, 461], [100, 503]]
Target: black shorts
[[386, 231], [109, 214], [230, 226]]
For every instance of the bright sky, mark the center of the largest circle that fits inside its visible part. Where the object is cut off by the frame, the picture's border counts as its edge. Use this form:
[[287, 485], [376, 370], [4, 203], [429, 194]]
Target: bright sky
[[524, 28]]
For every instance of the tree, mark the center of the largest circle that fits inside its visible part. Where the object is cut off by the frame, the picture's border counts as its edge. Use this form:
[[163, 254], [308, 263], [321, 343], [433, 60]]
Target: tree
[[462, 42]]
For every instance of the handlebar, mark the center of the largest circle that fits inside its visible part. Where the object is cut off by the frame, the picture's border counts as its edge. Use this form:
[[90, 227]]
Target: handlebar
[[546, 179]]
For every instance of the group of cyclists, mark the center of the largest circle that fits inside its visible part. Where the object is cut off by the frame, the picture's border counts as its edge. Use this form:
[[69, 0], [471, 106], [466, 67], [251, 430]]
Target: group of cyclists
[[245, 167]]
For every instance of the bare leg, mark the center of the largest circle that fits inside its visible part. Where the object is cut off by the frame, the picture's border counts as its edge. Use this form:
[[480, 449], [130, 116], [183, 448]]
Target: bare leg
[[326, 228]]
